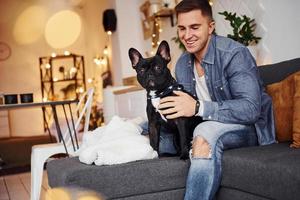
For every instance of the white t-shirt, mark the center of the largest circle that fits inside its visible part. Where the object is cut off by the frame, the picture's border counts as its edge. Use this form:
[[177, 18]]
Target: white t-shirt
[[201, 90]]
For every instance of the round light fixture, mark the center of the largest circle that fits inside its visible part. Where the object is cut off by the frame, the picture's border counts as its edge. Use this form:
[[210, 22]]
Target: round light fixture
[[63, 29]]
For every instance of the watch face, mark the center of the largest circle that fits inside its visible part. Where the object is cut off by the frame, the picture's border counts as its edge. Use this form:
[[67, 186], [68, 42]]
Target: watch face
[[5, 51]]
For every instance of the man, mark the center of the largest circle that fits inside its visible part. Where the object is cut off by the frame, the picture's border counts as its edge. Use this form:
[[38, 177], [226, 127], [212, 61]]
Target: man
[[223, 75]]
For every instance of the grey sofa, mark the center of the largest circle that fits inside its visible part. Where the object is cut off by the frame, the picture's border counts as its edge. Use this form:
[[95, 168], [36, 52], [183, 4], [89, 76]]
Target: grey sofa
[[252, 173]]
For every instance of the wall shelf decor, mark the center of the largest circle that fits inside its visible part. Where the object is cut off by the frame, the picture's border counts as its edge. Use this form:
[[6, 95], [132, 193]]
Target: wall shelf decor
[[62, 78], [152, 12]]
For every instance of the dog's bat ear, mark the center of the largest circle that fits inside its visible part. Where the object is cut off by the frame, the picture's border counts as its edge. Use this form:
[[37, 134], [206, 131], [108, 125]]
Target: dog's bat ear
[[164, 50], [134, 56]]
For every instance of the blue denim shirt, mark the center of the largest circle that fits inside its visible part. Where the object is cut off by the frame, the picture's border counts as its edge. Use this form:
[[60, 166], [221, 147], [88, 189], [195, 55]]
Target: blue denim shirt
[[234, 85]]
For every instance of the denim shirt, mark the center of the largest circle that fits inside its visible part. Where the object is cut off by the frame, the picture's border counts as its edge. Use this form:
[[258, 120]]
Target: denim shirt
[[234, 86]]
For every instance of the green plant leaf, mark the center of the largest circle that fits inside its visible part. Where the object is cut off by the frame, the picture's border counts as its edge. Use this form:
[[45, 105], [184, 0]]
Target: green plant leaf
[[243, 28]]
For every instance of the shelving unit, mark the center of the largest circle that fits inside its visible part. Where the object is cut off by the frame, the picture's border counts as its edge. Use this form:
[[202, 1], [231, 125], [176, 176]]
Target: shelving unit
[[58, 72], [62, 78]]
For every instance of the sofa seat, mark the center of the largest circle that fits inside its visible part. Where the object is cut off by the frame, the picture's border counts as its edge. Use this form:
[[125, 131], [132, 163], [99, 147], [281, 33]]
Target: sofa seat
[[162, 178], [271, 171], [260, 173]]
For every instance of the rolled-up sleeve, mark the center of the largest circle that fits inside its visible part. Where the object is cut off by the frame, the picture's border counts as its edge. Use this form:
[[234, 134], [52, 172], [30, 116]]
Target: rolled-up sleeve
[[244, 106]]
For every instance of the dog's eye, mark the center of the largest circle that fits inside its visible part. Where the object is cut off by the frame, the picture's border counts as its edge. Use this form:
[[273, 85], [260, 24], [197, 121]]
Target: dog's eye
[[157, 68], [141, 71]]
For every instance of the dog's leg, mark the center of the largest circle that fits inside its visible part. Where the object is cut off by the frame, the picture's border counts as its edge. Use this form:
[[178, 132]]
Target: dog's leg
[[183, 138], [154, 130], [153, 127]]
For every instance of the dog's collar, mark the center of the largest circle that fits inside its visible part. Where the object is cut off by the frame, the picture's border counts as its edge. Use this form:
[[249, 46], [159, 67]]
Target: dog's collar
[[153, 94]]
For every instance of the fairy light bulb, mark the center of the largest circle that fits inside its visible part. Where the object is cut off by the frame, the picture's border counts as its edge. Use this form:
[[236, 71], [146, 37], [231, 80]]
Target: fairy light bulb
[[105, 50], [67, 53], [47, 66]]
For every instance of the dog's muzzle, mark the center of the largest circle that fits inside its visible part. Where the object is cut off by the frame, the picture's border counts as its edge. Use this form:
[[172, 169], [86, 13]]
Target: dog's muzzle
[[151, 83]]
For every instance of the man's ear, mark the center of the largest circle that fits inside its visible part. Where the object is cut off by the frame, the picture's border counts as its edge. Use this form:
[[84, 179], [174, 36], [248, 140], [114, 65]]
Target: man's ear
[[211, 27], [134, 56], [164, 51]]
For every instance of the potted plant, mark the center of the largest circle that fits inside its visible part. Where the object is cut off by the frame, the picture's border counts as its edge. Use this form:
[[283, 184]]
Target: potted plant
[[243, 28]]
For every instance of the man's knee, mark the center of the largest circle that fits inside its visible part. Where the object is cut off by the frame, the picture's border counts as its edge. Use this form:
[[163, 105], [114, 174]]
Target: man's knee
[[200, 148]]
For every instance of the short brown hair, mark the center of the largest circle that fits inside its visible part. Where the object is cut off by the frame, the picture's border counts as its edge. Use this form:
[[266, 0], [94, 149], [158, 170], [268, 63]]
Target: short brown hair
[[189, 5]]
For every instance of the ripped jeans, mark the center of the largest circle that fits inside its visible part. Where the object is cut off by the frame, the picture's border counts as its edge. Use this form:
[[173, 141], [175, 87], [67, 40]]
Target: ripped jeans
[[204, 175]]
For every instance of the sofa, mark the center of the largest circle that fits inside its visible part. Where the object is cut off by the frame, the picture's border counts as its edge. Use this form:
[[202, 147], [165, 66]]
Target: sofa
[[250, 173]]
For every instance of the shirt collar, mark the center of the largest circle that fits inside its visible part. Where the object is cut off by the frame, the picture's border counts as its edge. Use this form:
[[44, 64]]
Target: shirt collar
[[210, 54]]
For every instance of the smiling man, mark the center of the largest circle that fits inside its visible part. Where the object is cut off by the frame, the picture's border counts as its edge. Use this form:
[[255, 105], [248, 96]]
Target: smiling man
[[223, 77]]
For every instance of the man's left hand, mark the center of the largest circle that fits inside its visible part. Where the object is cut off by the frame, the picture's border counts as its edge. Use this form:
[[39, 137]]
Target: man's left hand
[[182, 105]]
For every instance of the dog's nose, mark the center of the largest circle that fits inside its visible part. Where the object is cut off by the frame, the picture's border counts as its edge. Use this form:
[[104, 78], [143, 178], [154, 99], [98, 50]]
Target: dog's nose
[[151, 83]]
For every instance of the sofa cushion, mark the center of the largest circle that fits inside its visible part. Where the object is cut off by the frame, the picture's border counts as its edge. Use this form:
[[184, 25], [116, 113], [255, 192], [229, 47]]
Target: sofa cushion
[[270, 171], [225, 193], [121, 181], [296, 116], [282, 94]]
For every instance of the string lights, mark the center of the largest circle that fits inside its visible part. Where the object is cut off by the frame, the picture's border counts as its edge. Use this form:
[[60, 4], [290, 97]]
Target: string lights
[[102, 60]]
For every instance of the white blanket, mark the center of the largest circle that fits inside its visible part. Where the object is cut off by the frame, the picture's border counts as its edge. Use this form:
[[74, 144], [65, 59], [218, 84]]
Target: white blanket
[[118, 142]]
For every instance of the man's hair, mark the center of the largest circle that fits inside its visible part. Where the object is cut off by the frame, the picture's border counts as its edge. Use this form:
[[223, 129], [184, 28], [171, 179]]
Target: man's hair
[[189, 5]]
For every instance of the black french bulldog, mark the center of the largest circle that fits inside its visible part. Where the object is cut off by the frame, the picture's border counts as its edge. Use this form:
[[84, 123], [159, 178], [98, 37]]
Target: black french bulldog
[[154, 75]]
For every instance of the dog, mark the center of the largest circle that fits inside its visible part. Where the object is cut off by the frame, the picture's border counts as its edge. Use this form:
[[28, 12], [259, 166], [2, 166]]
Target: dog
[[154, 76]]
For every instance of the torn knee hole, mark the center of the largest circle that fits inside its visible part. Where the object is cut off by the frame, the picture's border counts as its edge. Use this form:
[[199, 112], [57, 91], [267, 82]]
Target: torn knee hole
[[201, 148]]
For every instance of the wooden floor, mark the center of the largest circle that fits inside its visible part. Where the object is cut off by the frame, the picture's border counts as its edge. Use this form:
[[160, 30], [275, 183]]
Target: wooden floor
[[17, 186]]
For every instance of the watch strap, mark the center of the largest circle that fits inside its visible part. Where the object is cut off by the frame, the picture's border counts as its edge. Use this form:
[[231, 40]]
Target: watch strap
[[197, 106]]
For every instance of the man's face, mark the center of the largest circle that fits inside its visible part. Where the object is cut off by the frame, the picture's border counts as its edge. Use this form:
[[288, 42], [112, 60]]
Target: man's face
[[194, 30]]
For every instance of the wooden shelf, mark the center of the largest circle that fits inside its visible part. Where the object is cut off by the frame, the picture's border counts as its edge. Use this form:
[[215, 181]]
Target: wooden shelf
[[60, 66], [63, 80]]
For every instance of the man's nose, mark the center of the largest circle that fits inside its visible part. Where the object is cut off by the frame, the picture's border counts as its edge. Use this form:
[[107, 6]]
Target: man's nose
[[187, 34]]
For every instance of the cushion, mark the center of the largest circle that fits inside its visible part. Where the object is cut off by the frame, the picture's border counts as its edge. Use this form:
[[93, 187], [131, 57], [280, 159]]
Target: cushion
[[270, 171], [124, 180], [296, 116], [282, 94]]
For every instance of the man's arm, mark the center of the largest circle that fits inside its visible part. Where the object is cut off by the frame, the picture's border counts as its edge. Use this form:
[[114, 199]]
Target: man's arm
[[243, 107]]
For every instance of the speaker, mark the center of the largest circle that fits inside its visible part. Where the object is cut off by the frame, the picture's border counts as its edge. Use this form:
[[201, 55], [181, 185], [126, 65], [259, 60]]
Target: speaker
[[109, 20]]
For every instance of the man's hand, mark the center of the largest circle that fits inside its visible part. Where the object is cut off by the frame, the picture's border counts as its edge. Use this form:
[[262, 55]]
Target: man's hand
[[182, 105]]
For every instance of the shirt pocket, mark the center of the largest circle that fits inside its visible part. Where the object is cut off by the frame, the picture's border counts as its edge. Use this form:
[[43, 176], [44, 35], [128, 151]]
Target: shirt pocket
[[187, 86], [221, 90]]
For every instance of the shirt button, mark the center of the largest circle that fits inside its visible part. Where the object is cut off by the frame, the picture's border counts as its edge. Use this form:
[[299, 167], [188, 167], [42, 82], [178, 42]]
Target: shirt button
[[193, 79], [221, 88], [209, 117]]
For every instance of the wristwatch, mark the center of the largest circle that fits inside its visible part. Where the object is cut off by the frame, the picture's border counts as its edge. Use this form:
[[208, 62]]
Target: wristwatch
[[197, 106]]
